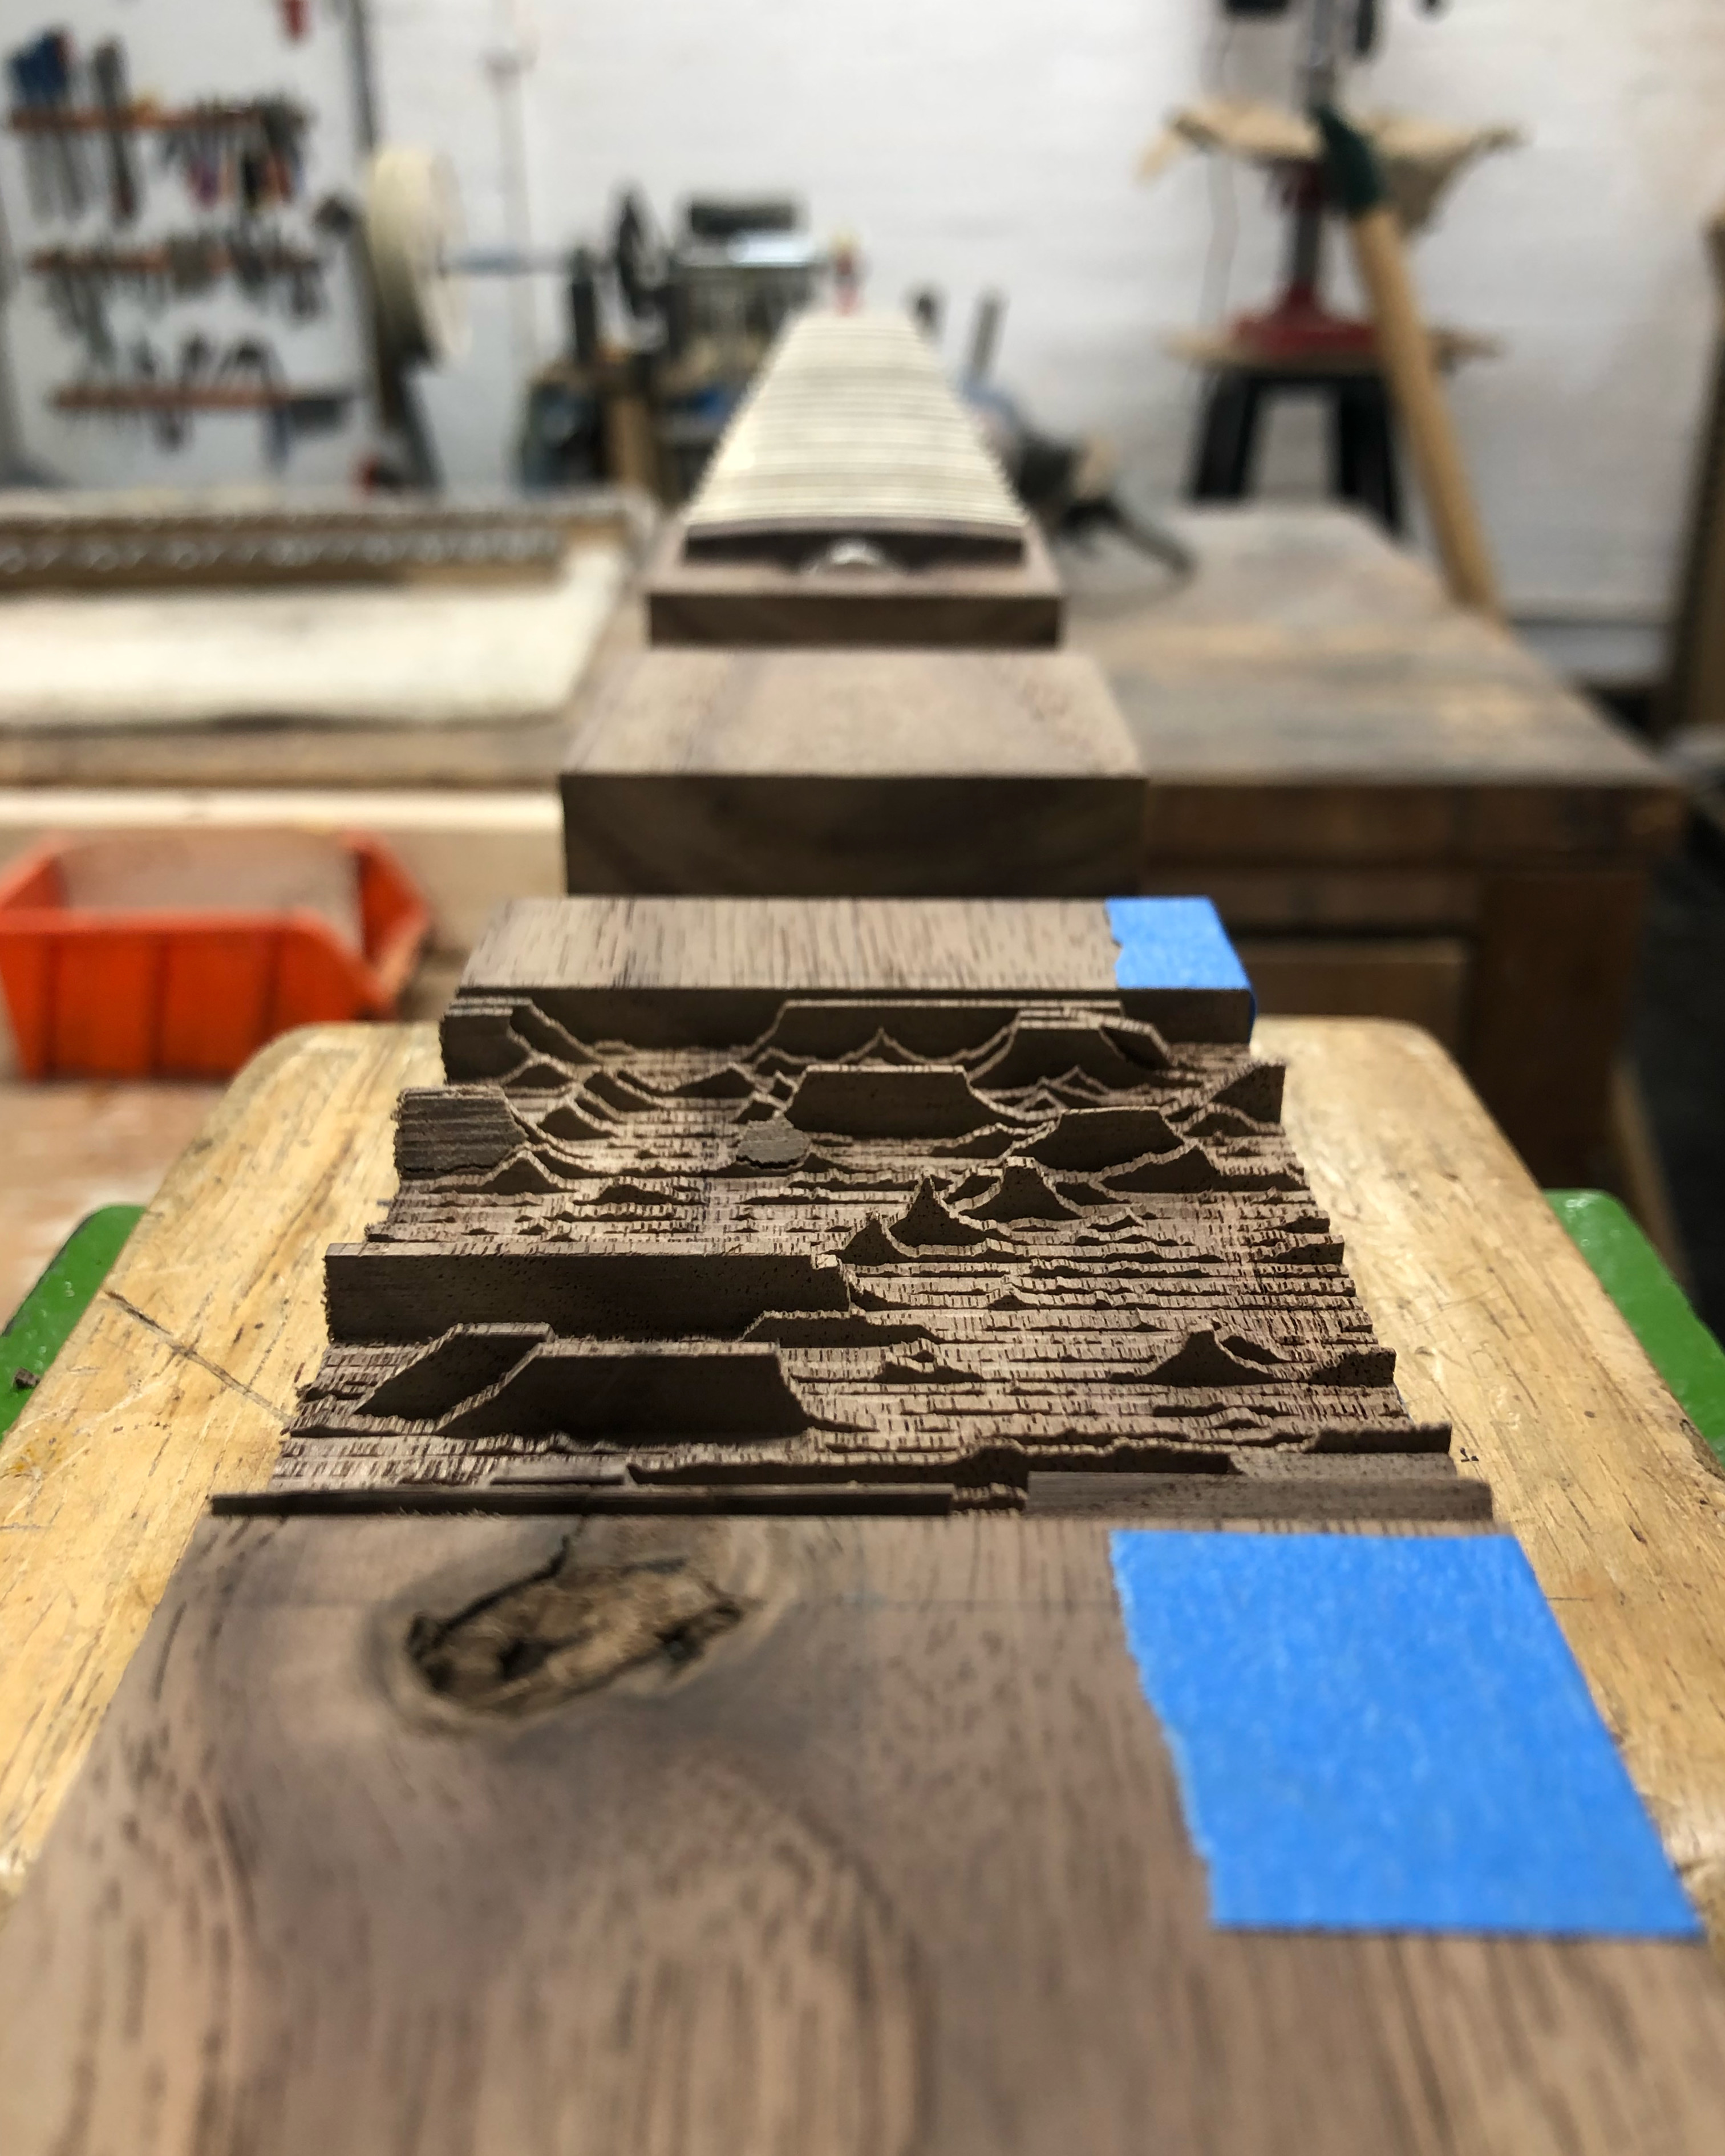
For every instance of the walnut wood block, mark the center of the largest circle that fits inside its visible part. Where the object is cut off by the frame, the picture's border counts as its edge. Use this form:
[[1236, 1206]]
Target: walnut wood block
[[884, 773], [183, 1375], [664, 972], [996, 606], [497, 1838]]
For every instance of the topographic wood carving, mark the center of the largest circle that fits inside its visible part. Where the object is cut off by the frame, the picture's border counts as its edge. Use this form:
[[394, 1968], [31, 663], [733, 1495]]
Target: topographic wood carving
[[886, 1252]]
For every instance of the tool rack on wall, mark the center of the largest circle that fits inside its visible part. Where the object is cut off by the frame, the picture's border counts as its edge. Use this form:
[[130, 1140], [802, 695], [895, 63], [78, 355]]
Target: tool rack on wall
[[242, 157]]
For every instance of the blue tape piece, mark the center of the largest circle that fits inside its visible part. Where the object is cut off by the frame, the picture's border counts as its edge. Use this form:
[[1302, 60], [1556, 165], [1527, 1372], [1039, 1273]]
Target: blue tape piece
[[1388, 1734], [1173, 943]]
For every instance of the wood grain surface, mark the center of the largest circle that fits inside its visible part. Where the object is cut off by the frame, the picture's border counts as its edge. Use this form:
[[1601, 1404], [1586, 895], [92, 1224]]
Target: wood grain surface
[[1329, 745], [996, 774], [179, 1378], [474, 1838]]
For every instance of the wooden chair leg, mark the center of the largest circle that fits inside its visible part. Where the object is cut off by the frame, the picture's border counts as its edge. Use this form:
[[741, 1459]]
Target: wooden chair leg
[[1227, 441], [1362, 448]]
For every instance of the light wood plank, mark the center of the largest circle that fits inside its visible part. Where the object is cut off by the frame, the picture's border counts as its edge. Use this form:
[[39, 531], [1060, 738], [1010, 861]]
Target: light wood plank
[[417, 656], [851, 426], [177, 1381], [1500, 1325]]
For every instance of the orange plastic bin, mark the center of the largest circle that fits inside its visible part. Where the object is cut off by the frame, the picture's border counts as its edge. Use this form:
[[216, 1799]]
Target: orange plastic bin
[[140, 990]]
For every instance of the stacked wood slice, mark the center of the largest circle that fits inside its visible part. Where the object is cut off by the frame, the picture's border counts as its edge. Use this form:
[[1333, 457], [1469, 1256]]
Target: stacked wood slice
[[852, 500]]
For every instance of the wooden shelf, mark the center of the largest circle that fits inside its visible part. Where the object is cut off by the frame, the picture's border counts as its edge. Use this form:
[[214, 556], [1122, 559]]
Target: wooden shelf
[[89, 119], [152, 261], [166, 396]]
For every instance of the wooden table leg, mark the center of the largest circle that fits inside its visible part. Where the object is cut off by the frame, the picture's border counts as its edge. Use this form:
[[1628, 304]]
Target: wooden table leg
[[1550, 992]]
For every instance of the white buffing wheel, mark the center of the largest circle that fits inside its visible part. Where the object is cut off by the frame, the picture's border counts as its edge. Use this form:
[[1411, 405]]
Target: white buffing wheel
[[412, 228]]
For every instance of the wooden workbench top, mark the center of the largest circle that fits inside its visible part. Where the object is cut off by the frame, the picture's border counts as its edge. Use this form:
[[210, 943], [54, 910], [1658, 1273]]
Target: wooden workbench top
[[1306, 651], [182, 1373]]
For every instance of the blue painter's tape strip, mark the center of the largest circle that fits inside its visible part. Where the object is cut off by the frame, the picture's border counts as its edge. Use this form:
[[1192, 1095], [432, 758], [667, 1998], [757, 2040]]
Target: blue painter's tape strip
[[1388, 1734], [1173, 943]]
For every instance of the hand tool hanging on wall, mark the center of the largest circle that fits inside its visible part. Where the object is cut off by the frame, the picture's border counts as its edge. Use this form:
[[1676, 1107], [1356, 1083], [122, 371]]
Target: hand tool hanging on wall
[[1405, 352], [265, 265], [245, 376], [107, 69], [247, 155], [43, 75], [38, 177]]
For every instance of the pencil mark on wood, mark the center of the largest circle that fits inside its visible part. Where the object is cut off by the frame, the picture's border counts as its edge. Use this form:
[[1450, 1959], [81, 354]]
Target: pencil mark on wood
[[189, 1354]]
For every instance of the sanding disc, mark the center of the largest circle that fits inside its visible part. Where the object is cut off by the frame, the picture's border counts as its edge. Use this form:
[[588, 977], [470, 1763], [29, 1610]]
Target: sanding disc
[[413, 228]]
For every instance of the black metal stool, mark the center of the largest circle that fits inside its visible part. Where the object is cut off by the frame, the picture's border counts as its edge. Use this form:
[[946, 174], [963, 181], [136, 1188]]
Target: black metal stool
[[1362, 454]]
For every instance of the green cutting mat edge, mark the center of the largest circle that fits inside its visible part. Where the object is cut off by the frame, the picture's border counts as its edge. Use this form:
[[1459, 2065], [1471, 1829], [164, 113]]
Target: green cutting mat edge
[[43, 1322], [1655, 1308]]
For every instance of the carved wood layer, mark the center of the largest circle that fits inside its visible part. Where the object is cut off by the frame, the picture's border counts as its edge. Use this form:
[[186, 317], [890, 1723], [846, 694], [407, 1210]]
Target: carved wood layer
[[890, 1243]]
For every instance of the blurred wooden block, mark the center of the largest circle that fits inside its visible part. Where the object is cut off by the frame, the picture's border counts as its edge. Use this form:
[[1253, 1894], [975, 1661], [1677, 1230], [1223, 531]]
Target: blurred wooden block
[[884, 773], [1420, 981], [168, 538], [995, 605]]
